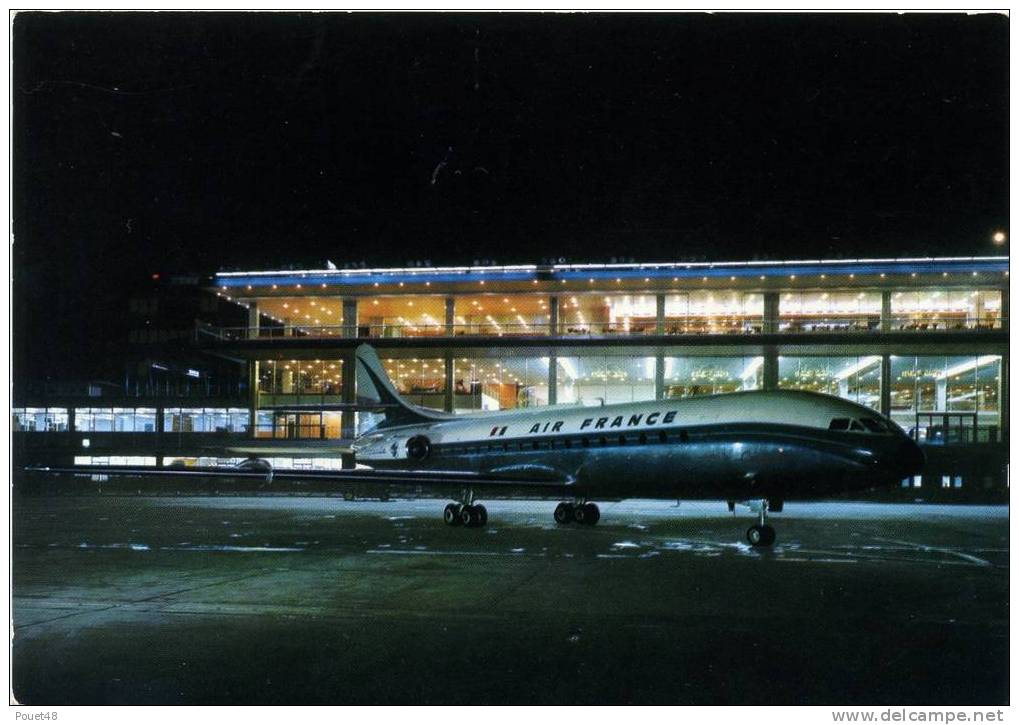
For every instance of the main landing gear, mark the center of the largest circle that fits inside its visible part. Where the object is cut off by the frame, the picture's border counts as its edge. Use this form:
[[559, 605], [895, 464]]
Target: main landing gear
[[760, 534], [582, 513], [466, 513]]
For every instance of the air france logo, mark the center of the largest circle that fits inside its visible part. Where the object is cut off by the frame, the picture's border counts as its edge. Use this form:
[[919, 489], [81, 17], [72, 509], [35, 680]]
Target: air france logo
[[634, 420], [395, 450], [619, 421]]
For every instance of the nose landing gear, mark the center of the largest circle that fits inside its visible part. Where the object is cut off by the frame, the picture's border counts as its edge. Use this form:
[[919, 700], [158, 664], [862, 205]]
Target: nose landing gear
[[586, 513], [760, 534]]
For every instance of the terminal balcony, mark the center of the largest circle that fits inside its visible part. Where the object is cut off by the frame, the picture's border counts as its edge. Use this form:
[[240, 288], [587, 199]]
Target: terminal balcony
[[862, 325]]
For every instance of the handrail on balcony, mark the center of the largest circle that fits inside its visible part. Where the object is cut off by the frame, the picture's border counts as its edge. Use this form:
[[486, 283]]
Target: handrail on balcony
[[787, 324]]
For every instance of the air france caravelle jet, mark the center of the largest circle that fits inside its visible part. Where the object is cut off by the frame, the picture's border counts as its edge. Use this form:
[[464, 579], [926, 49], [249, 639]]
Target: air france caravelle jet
[[758, 448]]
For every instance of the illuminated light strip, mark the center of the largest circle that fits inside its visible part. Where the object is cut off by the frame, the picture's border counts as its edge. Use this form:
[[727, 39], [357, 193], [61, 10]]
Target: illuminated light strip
[[627, 265], [630, 270], [967, 366], [858, 366]]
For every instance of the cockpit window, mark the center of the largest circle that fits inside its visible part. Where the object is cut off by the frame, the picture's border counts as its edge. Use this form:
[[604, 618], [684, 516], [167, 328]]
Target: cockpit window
[[874, 425]]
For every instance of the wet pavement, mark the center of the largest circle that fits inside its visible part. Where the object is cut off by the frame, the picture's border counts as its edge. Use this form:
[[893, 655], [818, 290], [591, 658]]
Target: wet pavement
[[275, 599]]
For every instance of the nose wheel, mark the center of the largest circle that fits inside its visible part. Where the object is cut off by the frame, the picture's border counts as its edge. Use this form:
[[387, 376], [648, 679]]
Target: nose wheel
[[760, 534], [583, 513]]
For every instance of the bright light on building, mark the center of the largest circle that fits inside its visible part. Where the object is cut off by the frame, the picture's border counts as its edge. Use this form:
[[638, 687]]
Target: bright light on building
[[999, 237]]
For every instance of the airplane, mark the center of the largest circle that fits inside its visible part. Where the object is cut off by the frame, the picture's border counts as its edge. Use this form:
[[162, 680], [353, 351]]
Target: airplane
[[756, 448]]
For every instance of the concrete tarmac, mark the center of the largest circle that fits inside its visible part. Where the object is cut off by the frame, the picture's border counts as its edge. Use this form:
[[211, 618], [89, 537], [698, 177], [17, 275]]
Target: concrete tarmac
[[299, 600]]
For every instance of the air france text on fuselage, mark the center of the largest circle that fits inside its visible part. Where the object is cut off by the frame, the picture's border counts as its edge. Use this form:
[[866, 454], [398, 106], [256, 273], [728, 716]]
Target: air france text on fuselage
[[600, 423]]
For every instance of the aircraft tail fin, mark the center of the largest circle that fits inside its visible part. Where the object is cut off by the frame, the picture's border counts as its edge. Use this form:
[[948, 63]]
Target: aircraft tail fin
[[397, 411]]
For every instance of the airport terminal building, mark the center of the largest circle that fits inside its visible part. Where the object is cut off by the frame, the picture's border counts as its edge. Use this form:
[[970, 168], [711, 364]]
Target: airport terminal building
[[922, 340]]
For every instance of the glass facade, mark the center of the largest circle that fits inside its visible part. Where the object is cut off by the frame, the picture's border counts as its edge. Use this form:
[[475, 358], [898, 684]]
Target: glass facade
[[829, 311], [39, 419], [700, 312], [421, 381], [957, 384], [603, 380], [499, 383], [115, 420], [686, 377], [304, 316], [403, 316], [501, 315], [285, 425], [115, 460], [853, 378], [322, 378], [946, 309], [205, 420], [583, 313], [600, 314], [714, 312]]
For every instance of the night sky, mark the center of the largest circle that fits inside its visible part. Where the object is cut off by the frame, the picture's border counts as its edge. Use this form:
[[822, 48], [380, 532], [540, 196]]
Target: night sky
[[189, 142]]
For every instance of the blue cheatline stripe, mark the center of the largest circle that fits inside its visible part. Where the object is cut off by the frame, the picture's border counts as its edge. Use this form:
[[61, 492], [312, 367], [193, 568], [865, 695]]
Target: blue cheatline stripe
[[313, 279]]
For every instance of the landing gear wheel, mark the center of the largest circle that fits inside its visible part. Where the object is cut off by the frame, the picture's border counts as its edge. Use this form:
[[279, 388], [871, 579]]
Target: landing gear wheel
[[580, 514], [471, 516], [761, 535], [451, 514], [587, 514], [563, 513]]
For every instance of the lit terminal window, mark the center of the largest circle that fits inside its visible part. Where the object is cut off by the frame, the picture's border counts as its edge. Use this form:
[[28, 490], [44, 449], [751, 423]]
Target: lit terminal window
[[281, 382], [502, 315], [595, 380], [402, 316], [829, 311], [853, 378], [115, 420], [687, 377], [956, 384], [498, 383], [38, 420], [714, 312], [946, 309]]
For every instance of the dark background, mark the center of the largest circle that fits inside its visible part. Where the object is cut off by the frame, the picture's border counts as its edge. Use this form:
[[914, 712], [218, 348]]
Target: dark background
[[153, 143]]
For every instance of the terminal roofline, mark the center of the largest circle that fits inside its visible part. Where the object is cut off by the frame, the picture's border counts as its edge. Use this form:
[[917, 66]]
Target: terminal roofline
[[628, 272], [630, 266]]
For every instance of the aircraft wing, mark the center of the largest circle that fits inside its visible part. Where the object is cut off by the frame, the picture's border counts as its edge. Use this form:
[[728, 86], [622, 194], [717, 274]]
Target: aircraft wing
[[529, 477]]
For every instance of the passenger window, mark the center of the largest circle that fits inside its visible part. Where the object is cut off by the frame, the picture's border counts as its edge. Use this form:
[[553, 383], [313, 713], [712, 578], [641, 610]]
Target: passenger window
[[839, 424], [662, 437], [855, 425]]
